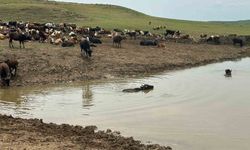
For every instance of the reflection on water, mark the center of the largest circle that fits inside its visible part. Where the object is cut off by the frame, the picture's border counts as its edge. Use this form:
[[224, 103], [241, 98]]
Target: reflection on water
[[192, 109], [87, 96]]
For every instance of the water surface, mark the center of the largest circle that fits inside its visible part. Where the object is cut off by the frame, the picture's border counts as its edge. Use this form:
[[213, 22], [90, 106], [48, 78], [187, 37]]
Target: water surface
[[192, 109]]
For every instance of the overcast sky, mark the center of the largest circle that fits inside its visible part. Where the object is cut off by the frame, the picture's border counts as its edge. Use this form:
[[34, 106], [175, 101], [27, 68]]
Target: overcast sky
[[205, 10]]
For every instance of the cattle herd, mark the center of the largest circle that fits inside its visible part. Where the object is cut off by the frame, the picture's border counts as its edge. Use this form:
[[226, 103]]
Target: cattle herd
[[68, 35]]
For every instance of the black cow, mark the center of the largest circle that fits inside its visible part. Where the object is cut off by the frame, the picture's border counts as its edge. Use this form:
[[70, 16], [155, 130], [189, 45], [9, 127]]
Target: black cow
[[117, 30], [238, 41], [144, 87], [228, 72], [95, 40], [21, 37], [172, 33], [117, 40], [85, 46], [12, 23], [148, 42]]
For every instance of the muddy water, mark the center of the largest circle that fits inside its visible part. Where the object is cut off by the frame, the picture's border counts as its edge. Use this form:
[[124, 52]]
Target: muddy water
[[192, 109]]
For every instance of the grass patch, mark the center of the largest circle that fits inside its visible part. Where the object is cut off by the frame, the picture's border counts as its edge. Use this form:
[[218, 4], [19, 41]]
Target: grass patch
[[109, 16]]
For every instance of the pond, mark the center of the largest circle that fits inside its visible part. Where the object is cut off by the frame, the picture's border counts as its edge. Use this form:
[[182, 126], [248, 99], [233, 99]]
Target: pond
[[191, 109]]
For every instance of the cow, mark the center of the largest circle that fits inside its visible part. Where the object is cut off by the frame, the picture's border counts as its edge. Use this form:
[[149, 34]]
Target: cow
[[85, 47], [132, 34], [214, 39], [144, 87], [117, 40], [172, 33], [12, 23], [5, 74], [13, 64], [202, 36], [238, 41], [42, 36], [21, 37], [2, 37], [149, 43], [117, 30], [95, 40], [67, 43], [228, 72], [186, 36]]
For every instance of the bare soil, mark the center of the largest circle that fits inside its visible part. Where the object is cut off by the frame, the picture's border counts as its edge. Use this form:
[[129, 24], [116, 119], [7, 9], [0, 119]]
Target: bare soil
[[33, 134], [43, 63]]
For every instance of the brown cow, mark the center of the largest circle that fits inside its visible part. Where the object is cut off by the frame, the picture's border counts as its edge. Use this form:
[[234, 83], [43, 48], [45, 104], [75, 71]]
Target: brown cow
[[13, 64], [117, 40], [5, 74]]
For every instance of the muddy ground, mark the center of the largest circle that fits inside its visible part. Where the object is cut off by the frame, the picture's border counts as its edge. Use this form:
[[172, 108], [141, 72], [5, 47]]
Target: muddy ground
[[33, 134], [43, 63]]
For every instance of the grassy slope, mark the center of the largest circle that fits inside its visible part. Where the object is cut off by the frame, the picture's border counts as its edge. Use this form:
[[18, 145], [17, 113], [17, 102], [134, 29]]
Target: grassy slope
[[109, 17]]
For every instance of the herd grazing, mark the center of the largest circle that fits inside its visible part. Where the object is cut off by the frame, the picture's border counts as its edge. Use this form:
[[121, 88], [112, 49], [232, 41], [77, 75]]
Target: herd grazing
[[69, 35]]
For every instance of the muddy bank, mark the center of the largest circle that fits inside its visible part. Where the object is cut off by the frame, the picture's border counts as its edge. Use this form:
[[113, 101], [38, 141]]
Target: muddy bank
[[16, 133], [43, 63]]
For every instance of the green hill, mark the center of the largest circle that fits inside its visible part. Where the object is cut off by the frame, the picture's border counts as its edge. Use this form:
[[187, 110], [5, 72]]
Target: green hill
[[109, 16]]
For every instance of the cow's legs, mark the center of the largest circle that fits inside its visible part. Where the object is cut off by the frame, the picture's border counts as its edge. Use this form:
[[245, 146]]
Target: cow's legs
[[11, 43]]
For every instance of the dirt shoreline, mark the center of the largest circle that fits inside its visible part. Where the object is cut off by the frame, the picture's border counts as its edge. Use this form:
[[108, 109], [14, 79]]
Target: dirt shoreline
[[43, 63], [33, 134]]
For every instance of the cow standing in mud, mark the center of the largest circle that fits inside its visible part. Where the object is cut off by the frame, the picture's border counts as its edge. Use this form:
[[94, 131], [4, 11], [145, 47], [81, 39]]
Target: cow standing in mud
[[5, 74], [13, 64], [85, 47]]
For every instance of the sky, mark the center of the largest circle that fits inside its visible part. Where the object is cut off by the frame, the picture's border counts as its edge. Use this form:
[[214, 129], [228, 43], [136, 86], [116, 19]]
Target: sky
[[199, 10]]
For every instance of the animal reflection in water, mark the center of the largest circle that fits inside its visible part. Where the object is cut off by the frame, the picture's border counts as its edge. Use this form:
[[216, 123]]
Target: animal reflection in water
[[228, 73], [145, 88], [87, 96]]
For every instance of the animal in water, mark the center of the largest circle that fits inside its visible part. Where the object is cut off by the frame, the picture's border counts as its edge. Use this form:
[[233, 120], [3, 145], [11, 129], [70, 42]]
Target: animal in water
[[143, 87], [228, 72], [5, 74]]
